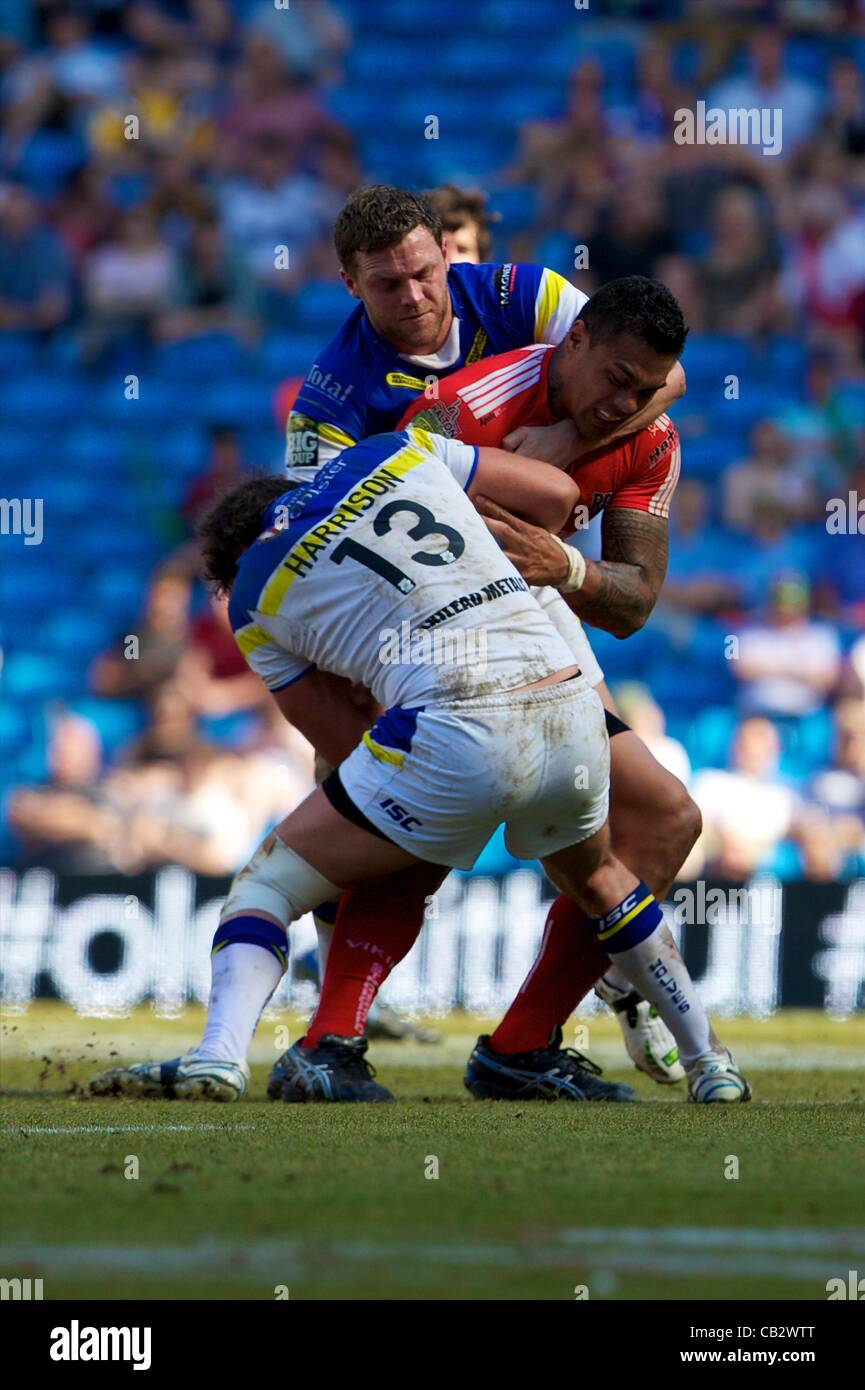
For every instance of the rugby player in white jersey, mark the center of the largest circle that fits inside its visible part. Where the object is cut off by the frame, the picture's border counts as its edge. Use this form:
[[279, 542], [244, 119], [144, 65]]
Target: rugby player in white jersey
[[317, 575]]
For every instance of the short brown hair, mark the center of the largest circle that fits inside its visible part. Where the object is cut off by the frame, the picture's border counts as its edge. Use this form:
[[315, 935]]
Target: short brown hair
[[457, 206], [378, 217]]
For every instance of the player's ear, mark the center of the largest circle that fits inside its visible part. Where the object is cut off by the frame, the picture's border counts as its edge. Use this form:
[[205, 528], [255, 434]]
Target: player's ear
[[578, 336], [350, 284]]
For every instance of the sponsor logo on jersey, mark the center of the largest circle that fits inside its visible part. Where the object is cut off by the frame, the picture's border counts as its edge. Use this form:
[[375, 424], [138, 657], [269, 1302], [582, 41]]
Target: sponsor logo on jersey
[[411, 383], [439, 418], [302, 442], [476, 351], [661, 449], [326, 383], [504, 282], [600, 500]]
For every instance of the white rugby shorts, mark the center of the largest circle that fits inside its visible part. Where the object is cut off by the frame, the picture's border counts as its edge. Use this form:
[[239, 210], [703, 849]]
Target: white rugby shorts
[[439, 780]]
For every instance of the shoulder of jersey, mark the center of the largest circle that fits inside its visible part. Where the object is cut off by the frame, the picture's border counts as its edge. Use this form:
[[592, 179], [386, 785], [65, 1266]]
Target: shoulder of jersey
[[497, 286]]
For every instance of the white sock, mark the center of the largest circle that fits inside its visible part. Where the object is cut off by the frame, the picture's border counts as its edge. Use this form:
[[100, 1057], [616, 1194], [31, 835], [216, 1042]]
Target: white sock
[[616, 980], [243, 977], [324, 932], [656, 969]]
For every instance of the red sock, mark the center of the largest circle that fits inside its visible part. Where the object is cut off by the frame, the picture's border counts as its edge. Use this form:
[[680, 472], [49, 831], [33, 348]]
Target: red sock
[[376, 926], [568, 964]]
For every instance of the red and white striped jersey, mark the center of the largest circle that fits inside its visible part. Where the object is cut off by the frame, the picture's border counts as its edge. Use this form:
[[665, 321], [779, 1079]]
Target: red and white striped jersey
[[482, 403]]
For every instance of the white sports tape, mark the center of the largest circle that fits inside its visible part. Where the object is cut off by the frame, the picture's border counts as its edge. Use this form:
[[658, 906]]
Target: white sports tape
[[576, 568], [277, 881]]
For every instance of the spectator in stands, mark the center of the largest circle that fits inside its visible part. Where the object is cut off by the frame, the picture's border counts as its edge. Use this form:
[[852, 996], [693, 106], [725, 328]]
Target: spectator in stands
[[789, 664], [312, 45], [269, 103], [127, 283], [466, 221], [172, 731], [633, 233], [767, 475], [737, 278], [147, 655], [748, 809], [59, 84], [178, 199], [844, 117], [83, 212], [825, 270], [34, 275], [64, 824], [830, 831], [224, 471], [274, 205], [768, 85], [639, 710], [165, 26], [565, 159], [212, 292], [205, 826], [213, 671]]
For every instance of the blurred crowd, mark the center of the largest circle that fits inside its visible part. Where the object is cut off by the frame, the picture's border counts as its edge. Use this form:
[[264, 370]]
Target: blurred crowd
[[170, 170]]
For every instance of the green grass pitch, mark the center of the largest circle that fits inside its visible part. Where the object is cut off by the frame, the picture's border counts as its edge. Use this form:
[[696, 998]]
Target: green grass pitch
[[548, 1201]]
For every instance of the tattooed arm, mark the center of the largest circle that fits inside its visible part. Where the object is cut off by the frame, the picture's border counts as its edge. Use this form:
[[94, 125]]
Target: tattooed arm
[[620, 591]]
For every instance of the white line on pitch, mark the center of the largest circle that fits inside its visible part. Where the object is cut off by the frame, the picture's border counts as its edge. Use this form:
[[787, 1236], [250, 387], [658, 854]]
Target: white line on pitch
[[121, 1129]]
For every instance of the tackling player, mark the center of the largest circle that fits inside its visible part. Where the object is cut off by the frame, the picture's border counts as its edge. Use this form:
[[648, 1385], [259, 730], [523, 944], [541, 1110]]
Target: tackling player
[[611, 360], [316, 575], [417, 323]]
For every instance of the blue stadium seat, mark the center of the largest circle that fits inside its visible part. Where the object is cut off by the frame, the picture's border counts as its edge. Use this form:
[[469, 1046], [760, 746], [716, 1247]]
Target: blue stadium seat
[[287, 354], [42, 397], [38, 676], [161, 401], [556, 250], [322, 305], [17, 351], [240, 401], [201, 358], [513, 18], [518, 208], [712, 735], [48, 159], [387, 63]]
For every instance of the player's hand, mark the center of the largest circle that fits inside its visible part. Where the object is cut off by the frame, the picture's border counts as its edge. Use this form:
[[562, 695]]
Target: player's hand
[[558, 444], [531, 549]]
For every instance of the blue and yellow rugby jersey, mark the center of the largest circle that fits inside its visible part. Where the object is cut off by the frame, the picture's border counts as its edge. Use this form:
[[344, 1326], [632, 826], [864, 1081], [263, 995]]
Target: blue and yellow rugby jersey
[[360, 385], [381, 570]]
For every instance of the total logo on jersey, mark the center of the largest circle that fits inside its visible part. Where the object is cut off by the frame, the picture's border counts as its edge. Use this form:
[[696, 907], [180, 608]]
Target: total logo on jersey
[[327, 384]]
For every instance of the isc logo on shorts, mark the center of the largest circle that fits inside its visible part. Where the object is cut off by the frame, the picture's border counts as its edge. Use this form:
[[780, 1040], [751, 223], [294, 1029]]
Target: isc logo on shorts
[[399, 814]]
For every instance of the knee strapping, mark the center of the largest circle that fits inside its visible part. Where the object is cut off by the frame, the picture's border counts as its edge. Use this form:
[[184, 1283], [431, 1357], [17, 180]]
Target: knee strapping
[[279, 882]]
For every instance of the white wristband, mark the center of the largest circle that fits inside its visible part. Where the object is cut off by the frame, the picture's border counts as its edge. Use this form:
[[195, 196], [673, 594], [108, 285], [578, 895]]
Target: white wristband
[[576, 569]]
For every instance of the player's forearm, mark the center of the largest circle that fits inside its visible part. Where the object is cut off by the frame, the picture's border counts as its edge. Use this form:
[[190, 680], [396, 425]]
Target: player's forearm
[[613, 596]]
